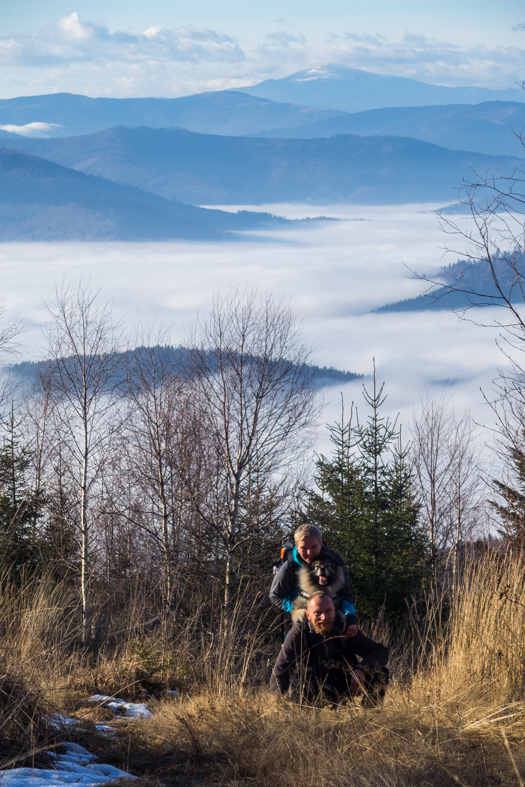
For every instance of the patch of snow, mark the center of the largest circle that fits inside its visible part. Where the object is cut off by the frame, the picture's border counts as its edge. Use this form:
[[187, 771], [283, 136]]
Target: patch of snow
[[57, 720], [135, 710], [106, 730], [172, 693], [75, 766]]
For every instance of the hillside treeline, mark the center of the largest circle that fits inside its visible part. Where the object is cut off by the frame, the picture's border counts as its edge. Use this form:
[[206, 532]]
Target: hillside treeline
[[158, 485]]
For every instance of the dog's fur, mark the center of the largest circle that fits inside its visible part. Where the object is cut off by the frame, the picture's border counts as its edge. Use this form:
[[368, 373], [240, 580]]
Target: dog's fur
[[324, 574]]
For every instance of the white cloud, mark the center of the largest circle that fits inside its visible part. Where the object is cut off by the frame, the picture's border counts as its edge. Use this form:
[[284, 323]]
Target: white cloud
[[81, 56], [71, 40], [413, 56], [34, 129], [282, 40]]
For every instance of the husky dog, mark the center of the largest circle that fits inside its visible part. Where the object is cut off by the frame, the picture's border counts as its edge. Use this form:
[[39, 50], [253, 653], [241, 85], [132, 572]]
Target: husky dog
[[322, 574]]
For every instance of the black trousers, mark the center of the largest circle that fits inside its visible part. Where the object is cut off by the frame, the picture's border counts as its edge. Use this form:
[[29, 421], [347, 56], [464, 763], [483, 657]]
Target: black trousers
[[333, 685]]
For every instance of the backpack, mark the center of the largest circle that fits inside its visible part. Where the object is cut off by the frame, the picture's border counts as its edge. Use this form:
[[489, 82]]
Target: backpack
[[287, 547]]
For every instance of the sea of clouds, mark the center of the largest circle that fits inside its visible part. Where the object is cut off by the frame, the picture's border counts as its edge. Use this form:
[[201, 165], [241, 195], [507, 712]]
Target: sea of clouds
[[334, 273]]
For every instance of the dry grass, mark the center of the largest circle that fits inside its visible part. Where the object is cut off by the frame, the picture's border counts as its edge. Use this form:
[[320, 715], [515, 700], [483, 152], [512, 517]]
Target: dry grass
[[255, 739], [458, 719]]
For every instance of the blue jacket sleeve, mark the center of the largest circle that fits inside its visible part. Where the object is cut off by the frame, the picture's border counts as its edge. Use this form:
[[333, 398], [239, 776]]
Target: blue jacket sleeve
[[282, 592], [347, 604]]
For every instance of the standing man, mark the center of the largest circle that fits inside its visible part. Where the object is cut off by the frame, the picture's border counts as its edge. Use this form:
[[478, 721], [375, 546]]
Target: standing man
[[285, 586], [317, 661]]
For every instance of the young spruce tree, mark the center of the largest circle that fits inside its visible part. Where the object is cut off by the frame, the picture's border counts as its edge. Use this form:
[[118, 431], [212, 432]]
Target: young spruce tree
[[368, 511], [20, 506]]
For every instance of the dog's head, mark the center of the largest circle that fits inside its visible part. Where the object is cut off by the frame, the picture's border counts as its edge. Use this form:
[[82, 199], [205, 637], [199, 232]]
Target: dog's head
[[323, 571]]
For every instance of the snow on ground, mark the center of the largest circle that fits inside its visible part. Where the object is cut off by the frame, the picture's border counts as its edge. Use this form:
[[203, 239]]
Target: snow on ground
[[57, 721], [136, 710], [75, 766]]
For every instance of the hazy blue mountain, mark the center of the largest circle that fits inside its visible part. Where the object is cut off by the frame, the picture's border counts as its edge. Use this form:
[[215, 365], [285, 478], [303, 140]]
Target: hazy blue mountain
[[223, 112], [353, 90], [41, 200], [464, 277], [206, 169], [485, 128]]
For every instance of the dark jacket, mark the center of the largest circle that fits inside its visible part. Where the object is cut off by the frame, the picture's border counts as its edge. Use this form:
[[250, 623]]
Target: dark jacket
[[307, 655], [285, 585]]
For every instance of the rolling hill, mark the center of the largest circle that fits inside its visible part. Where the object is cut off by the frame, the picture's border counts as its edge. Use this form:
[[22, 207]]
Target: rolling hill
[[41, 200], [26, 371], [354, 90], [207, 169], [470, 284], [223, 112], [484, 128]]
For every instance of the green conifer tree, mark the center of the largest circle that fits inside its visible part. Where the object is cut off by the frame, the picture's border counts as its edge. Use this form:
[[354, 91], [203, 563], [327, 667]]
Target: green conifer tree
[[367, 509], [511, 506], [19, 505]]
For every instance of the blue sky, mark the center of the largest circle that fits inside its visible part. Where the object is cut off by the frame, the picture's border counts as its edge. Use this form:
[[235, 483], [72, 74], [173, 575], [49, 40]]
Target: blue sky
[[167, 48]]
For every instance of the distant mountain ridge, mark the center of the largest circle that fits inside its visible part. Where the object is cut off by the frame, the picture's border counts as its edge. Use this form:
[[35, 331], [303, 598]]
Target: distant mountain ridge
[[489, 127], [207, 169], [483, 128], [353, 90], [223, 112], [42, 200]]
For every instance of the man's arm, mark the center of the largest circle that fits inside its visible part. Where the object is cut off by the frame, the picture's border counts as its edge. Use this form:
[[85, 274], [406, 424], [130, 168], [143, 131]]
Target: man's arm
[[372, 653], [347, 604], [282, 672], [282, 594]]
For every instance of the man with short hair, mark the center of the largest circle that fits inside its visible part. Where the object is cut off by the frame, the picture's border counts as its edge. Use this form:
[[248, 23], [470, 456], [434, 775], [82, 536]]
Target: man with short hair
[[317, 661], [285, 586]]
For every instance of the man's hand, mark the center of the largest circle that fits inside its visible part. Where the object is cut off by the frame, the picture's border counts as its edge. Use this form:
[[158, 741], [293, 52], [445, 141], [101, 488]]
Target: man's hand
[[357, 682], [351, 631]]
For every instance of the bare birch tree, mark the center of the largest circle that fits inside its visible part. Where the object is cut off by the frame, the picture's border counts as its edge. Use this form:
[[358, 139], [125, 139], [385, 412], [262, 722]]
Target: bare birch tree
[[447, 473], [157, 397], [256, 401], [82, 344]]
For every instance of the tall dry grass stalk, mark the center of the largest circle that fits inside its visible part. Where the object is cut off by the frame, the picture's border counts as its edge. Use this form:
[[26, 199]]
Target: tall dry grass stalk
[[36, 628], [453, 712], [38, 624], [485, 644], [458, 718]]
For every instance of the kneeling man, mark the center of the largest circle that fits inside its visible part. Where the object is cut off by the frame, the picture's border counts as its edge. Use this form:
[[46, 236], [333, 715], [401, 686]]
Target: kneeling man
[[316, 660]]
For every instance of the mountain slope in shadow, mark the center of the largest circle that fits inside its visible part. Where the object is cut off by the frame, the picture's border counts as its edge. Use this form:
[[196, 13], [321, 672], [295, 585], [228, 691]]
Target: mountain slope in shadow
[[209, 169], [489, 128], [42, 200]]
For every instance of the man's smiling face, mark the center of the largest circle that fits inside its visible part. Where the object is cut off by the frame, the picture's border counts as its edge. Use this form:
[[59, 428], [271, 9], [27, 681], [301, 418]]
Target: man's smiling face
[[321, 614]]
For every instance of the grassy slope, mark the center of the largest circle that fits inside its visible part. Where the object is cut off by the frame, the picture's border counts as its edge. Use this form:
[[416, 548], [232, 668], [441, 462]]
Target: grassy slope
[[447, 722]]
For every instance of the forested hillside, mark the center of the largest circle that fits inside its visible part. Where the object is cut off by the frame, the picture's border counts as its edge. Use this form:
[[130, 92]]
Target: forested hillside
[[206, 169], [221, 112], [41, 200], [468, 283], [489, 127]]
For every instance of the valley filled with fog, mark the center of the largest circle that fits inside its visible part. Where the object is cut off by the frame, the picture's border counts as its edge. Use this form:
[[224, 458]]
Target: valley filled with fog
[[334, 272]]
